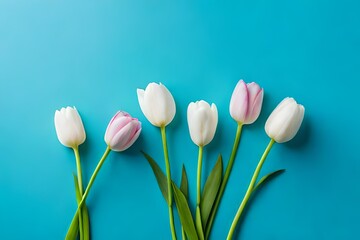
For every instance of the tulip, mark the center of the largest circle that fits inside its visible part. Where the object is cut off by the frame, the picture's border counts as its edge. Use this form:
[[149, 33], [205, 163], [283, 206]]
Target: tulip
[[246, 102], [69, 127], [245, 106], [285, 121], [122, 131], [202, 120], [70, 132], [157, 104]]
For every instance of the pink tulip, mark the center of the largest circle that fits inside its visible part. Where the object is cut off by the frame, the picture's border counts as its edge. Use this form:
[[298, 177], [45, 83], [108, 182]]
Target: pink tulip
[[122, 131], [246, 102]]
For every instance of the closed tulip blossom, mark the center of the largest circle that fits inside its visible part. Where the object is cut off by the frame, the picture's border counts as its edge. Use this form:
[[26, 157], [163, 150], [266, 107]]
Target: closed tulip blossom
[[285, 121], [69, 127], [281, 126], [202, 120], [157, 104], [246, 102], [122, 131]]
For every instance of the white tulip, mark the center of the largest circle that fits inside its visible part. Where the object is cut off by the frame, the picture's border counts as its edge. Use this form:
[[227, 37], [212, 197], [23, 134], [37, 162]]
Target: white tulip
[[157, 104], [69, 127], [202, 121], [285, 121]]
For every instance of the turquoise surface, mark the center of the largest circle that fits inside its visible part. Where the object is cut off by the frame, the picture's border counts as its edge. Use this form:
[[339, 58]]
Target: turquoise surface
[[94, 54]]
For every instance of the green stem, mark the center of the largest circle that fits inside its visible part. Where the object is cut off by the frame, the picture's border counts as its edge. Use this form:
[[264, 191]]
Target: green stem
[[249, 190], [78, 168], [224, 181], [79, 177], [168, 175], [199, 176], [92, 179]]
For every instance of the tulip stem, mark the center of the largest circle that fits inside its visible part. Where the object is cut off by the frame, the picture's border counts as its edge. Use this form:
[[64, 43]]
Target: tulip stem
[[168, 175], [78, 167], [79, 177], [249, 190], [224, 180], [92, 179], [199, 176]]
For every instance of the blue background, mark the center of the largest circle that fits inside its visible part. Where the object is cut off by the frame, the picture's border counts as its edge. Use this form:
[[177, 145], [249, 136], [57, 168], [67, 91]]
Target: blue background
[[94, 54]]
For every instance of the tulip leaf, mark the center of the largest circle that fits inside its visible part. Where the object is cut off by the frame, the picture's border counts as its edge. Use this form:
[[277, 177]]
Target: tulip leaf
[[185, 190], [184, 213], [210, 191], [159, 175], [184, 183], [199, 227], [86, 221], [267, 178], [73, 230]]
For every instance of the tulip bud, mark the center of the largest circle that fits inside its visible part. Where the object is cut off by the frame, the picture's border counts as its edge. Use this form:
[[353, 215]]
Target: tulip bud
[[285, 121], [122, 131], [69, 127], [246, 102], [157, 104], [202, 121]]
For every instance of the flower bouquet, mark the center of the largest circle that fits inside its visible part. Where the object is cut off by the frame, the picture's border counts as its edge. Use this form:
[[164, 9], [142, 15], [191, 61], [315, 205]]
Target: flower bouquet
[[158, 106]]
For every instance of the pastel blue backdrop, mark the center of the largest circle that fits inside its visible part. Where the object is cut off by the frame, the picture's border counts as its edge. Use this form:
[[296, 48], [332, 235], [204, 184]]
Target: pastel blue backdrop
[[94, 54]]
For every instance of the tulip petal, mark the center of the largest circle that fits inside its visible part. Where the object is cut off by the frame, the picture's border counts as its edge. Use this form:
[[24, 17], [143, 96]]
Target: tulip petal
[[214, 122], [239, 102], [253, 90], [283, 124], [255, 109], [78, 127], [118, 142]]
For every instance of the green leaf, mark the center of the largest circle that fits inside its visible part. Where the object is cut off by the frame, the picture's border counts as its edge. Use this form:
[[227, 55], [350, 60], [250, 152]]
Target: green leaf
[[185, 190], [184, 183], [73, 230], [267, 178], [199, 227], [184, 213], [159, 175], [210, 191], [86, 222]]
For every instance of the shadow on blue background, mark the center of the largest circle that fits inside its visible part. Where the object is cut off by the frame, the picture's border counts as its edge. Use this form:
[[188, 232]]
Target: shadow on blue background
[[94, 54]]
